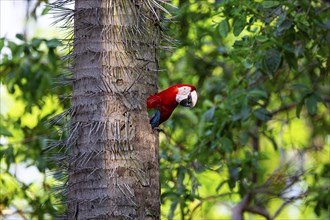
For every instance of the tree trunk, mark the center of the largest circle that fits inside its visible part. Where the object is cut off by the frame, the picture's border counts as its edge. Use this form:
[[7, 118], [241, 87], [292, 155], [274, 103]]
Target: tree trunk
[[114, 160]]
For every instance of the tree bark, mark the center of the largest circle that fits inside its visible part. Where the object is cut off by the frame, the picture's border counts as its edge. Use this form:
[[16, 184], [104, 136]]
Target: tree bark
[[113, 158]]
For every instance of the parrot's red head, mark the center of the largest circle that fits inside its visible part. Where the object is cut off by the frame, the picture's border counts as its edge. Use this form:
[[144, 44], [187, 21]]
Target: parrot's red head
[[161, 105]]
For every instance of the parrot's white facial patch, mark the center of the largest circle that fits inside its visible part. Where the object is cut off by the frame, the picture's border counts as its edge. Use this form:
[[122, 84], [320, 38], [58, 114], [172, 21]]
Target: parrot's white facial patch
[[185, 97], [183, 93]]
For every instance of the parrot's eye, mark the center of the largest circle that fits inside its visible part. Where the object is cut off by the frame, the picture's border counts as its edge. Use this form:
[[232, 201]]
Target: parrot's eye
[[184, 90]]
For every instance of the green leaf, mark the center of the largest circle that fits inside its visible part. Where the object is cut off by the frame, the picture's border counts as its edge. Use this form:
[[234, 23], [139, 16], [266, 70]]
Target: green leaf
[[273, 141], [311, 104], [223, 28], [191, 117], [9, 155], [317, 209], [2, 43], [226, 144], [220, 185], [299, 86], [318, 97], [241, 185], [285, 25], [233, 176], [244, 138], [299, 108], [270, 4], [247, 63], [239, 25], [36, 42], [172, 209], [5, 132], [20, 36], [261, 38], [262, 114], [243, 114], [262, 156], [53, 43], [46, 10], [272, 60], [209, 114], [258, 94], [291, 59]]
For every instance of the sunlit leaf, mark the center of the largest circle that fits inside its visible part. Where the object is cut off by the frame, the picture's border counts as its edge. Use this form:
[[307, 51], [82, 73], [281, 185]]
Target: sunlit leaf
[[273, 141], [220, 185]]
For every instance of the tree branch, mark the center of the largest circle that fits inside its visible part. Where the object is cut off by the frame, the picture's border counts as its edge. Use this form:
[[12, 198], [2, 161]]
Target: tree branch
[[287, 202], [260, 211], [209, 198], [239, 208], [284, 108], [292, 105]]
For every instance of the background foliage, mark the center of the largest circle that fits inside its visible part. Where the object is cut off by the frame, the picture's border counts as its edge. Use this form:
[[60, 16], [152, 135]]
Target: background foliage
[[257, 140], [29, 100]]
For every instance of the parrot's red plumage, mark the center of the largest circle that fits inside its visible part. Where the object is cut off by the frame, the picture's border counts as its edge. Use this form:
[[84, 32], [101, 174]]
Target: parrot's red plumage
[[162, 104]]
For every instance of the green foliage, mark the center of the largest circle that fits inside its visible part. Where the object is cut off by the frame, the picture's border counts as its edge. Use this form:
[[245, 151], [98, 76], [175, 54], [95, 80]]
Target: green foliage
[[260, 128], [24, 58], [258, 66], [28, 100], [321, 200]]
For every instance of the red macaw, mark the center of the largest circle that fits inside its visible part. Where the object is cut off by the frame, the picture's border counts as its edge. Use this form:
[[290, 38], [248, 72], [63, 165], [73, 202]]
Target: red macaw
[[161, 105]]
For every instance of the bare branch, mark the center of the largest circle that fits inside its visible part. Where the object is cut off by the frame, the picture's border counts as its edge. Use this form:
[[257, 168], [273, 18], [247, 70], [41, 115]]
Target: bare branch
[[287, 202], [260, 211], [239, 208]]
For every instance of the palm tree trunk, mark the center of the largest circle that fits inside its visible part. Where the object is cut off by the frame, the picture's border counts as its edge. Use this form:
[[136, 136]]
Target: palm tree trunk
[[114, 160]]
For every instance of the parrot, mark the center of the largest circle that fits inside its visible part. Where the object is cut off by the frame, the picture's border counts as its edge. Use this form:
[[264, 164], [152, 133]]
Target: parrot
[[161, 105]]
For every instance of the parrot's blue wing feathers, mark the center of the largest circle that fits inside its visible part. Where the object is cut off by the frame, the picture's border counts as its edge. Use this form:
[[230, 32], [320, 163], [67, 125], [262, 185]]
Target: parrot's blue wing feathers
[[154, 117]]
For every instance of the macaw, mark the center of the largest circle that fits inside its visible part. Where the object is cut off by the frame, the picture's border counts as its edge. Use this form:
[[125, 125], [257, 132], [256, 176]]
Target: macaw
[[161, 105]]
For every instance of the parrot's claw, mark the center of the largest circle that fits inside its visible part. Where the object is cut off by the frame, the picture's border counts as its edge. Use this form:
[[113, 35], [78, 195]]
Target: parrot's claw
[[158, 129]]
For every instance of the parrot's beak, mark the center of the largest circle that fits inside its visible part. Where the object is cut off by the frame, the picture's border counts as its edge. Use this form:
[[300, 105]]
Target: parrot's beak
[[190, 101]]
